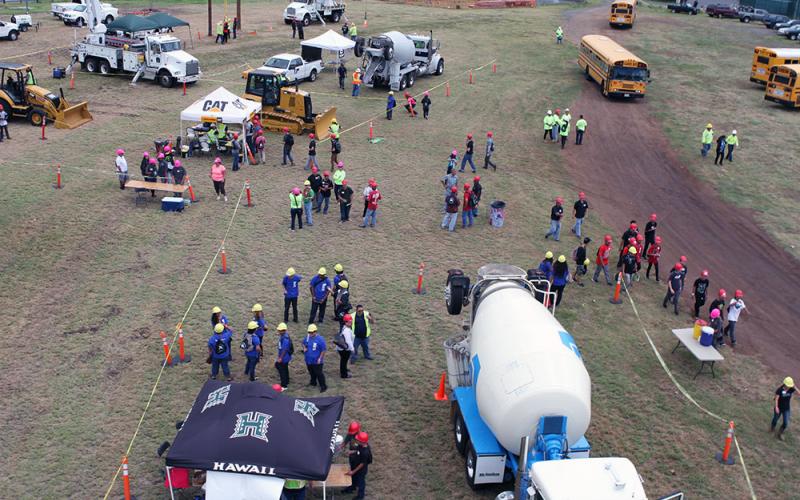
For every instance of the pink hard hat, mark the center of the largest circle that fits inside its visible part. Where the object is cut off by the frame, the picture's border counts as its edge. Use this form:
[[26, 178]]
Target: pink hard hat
[[167, 149], [454, 153], [277, 387], [427, 93], [217, 160], [715, 313], [340, 164], [653, 216], [160, 156], [581, 195], [120, 152], [296, 190], [310, 136], [314, 169], [177, 163], [152, 161], [146, 154]]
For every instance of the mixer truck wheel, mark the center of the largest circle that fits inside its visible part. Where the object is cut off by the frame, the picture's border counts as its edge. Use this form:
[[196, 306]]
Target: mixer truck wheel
[[440, 67], [335, 17], [410, 80], [470, 466], [460, 433], [388, 53], [306, 20], [454, 297]]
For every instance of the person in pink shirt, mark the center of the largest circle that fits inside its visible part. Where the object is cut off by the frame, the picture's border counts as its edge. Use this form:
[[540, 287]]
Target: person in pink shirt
[[218, 178]]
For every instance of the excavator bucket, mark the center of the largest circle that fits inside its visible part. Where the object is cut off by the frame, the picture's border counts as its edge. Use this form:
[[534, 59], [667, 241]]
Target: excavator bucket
[[322, 121], [73, 116]]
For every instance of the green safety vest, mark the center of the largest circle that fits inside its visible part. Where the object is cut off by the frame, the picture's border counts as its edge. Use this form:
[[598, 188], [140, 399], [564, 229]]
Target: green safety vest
[[339, 176], [556, 120], [732, 140], [334, 128], [366, 322], [565, 128], [219, 29], [548, 122], [567, 117], [295, 201], [353, 30], [708, 136], [31, 80], [581, 124], [294, 484], [559, 32]]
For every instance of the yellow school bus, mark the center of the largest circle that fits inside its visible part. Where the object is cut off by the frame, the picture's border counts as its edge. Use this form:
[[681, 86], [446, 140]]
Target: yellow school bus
[[764, 58], [623, 14], [619, 72], [784, 85]]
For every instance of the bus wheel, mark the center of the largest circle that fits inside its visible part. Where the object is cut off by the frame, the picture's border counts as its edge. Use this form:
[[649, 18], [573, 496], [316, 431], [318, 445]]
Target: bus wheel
[[603, 86], [588, 76]]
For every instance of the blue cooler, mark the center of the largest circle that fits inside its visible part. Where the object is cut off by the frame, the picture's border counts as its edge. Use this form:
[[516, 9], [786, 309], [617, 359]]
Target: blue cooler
[[706, 336], [171, 204], [59, 73]]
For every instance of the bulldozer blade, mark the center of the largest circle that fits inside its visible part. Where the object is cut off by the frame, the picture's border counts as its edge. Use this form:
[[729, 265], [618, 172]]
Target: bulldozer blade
[[73, 116], [323, 121]]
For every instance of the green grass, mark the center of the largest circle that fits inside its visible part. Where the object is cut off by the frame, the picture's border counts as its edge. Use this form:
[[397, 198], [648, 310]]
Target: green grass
[[90, 280]]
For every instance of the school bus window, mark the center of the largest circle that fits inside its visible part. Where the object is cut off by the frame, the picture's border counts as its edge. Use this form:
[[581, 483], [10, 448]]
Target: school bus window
[[781, 79], [630, 74], [763, 59]]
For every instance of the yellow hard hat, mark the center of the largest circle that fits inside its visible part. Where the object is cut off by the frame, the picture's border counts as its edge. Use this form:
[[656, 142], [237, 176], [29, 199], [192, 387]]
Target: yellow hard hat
[[216, 310], [709, 126], [322, 271], [632, 251], [312, 328], [219, 328], [290, 271], [307, 183], [548, 255], [344, 284], [252, 325], [257, 308], [587, 262], [561, 258], [788, 382], [281, 327], [338, 268]]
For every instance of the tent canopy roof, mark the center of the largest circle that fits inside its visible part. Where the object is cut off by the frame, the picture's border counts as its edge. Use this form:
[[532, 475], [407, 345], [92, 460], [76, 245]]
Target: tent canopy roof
[[131, 24], [164, 20], [223, 105], [330, 40]]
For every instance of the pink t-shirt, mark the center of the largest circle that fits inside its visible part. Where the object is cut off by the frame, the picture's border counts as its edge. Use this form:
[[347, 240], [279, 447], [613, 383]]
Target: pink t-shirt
[[217, 172]]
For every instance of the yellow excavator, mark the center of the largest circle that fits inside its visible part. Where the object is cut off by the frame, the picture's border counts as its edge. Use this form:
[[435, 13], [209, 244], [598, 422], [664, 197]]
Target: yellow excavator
[[284, 106], [21, 97]]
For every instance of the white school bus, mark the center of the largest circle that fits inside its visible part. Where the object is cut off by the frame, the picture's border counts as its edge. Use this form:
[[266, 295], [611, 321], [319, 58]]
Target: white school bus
[[619, 72]]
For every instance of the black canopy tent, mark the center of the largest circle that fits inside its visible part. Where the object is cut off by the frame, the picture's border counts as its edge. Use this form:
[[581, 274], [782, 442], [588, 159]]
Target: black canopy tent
[[250, 428]]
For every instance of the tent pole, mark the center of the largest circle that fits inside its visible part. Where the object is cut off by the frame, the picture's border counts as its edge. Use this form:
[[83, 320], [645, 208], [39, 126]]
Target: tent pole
[[169, 481], [324, 489]]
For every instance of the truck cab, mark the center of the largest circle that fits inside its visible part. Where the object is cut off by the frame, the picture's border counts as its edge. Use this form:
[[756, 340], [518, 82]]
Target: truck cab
[[9, 31], [312, 10], [293, 67], [165, 55]]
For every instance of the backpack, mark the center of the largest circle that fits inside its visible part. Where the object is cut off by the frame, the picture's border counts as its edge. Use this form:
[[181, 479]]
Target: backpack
[[337, 147], [575, 254], [289, 140], [247, 343], [220, 347], [340, 341]]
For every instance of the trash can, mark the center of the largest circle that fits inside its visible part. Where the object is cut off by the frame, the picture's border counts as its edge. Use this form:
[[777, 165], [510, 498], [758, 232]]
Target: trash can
[[498, 214]]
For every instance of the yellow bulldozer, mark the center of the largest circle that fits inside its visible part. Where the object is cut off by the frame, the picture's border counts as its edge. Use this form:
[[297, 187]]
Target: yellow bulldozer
[[21, 97], [284, 106]]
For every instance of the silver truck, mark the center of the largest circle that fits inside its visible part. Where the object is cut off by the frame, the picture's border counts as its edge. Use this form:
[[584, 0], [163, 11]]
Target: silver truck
[[314, 10], [395, 59]]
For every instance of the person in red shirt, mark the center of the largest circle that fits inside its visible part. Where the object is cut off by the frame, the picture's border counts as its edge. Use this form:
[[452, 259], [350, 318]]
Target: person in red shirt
[[372, 206], [639, 254], [653, 254], [466, 208], [602, 260]]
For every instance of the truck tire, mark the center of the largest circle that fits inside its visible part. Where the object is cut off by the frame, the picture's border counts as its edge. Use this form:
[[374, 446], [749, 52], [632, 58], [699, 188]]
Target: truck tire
[[312, 77], [402, 85], [165, 79], [23, 28], [104, 68], [440, 67], [80, 22], [455, 291], [35, 117], [745, 19], [91, 64], [388, 53], [109, 19], [410, 77], [335, 17], [470, 466], [358, 50], [13, 35], [306, 20], [460, 434]]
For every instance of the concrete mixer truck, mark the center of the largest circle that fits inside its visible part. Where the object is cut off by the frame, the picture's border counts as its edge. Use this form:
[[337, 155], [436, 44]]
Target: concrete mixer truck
[[521, 396], [395, 59]]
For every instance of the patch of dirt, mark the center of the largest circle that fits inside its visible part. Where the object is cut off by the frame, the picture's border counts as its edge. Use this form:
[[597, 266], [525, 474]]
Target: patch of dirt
[[633, 171], [111, 312]]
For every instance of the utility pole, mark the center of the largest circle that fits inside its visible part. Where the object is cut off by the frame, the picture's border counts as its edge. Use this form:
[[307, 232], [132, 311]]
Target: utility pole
[[239, 12], [209, 17]]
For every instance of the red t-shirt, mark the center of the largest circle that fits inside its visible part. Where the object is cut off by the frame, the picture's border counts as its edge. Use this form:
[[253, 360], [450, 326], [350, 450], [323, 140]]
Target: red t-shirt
[[653, 253], [602, 254], [372, 200], [639, 251], [467, 200]]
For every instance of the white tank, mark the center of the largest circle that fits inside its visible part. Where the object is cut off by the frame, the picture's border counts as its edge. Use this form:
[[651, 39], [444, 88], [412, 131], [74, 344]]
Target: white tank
[[403, 51], [527, 367]]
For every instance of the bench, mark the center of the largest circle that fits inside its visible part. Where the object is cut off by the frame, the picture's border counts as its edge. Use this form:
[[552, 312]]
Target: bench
[[704, 354], [144, 186]]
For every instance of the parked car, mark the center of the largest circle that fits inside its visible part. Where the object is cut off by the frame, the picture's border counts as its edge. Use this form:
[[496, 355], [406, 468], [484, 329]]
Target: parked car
[[720, 10], [293, 67], [683, 8], [773, 19], [9, 31], [787, 24], [791, 33], [747, 15]]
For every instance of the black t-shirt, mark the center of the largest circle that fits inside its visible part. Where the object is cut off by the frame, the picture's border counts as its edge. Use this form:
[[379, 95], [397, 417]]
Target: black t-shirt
[[312, 148], [629, 263], [477, 189], [556, 212], [316, 181], [650, 231], [700, 287], [327, 185], [718, 304], [178, 173], [360, 326], [361, 455], [346, 194], [628, 234], [581, 206], [580, 255], [675, 281], [470, 146], [784, 398]]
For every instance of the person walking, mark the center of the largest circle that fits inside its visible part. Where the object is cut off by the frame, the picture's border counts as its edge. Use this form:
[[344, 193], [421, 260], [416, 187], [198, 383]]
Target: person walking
[[390, 105], [344, 345], [235, 26], [546, 265], [732, 141], [601, 260], [629, 266], [735, 308], [288, 142], [291, 290], [487, 161], [580, 129], [339, 175], [556, 213], [4, 124], [674, 287], [300, 33], [324, 194], [451, 210], [684, 270], [564, 132], [308, 202], [579, 210], [121, 164], [218, 178], [560, 278], [295, 23], [251, 344], [337, 280], [353, 32], [581, 262], [548, 126], [312, 153], [285, 352], [452, 161], [320, 288], [219, 351], [336, 148], [653, 255], [356, 82], [236, 151], [468, 155], [220, 34], [341, 302], [296, 207], [467, 217], [359, 460], [316, 183], [341, 71], [426, 104], [449, 182], [628, 238], [365, 194], [639, 245], [559, 36], [650, 232], [720, 150], [362, 330], [261, 146], [782, 406], [261, 323], [706, 140], [699, 291], [372, 206], [226, 31], [314, 352], [477, 192], [345, 199]]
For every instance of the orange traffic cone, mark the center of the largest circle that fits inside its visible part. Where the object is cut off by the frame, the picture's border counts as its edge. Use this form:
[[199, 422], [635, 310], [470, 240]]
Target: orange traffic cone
[[440, 395]]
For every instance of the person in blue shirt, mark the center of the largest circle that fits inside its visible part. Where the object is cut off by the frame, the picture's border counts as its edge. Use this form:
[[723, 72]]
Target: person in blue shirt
[[258, 317], [217, 316], [338, 279], [252, 350], [390, 105], [314, 349], [284, 355], [219, 350], [546, 265], [320, 287], [560, 277], [291, 289]]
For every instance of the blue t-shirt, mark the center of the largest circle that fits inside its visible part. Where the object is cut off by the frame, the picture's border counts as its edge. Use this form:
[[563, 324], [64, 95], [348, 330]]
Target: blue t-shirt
[[252, 352], [561, 280], [321, 285], [226, 339], [315, 346], [222, 319], [338, 278], [262, 324], [290, 286], [547, 268], [283, 348]]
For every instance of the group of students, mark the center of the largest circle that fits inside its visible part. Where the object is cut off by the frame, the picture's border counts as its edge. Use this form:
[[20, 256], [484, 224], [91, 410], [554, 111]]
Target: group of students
[[557, 125], [225, 28], [410, 105], [163, 167], [469, 153], [724, 147], [468, 204]]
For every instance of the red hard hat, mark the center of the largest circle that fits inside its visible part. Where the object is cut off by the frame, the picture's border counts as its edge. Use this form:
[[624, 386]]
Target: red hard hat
[[285, 129], [314, 169], [354, 428], [631, 240], [469, 136], [277, 387], [488, 134], [653, 216], [558, 110], [738, 294], [608, 238], [235, 136], [326, 173], [559, 200], [658, 239], [477, 178], [344, 182], [722, 292], [362, 437], [639, 237], [466, 187], [678, 267], [704, 274], [310, 136], [260, 132], [347, 318], [581, 195], [633, 225], [454, 189], [683, 258]]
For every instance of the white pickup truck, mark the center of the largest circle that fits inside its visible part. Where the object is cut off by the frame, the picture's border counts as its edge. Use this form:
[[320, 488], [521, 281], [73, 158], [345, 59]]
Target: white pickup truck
[[58, 9], [9, 31], [293, 67], [79, 17], [314, 10]]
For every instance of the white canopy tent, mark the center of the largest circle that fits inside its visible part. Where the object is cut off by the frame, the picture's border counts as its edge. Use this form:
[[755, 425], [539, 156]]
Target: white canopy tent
[[330, 41]]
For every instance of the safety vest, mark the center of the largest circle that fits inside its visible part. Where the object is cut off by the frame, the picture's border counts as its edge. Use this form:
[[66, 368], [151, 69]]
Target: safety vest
[[559, 32], [581, 125], [565, 128], [357, 78], [219, 29], [708, 136], [334, 128], [295, 201], [567, 117], [31, 80], [732, 140], [339, 176], [294, 484], [366, 322], [353, 30], [548, 122]]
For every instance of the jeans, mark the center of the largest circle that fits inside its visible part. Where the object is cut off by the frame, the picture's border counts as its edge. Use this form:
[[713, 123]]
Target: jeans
[[283, 373], [312, 160], [579, 137], [467, 158], [360, 483], [555, 230], [297, 213], [597, 269], [783, 413], [705, 149], [317, 376], [344, 356], [425, 111], [287, 154], [250, 367], [389, 113], [719, 158], [341, 82], [699, 301], [730, 151], [370, 216], [466, 215], [672, 297], [577, 227], [324, 203], [563, 141], [554, 132], [216, 363], [235, 161], [364, 343], [344, 211], [730, 330], [317, 307], [307, 210], [559, 291], [649, 265], [289, 302], [4, 129], [317, 200], [449, 221], [356, 90], [487, 162]]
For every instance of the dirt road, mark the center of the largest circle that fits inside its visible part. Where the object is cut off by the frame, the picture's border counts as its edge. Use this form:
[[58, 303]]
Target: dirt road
[[633, 171]]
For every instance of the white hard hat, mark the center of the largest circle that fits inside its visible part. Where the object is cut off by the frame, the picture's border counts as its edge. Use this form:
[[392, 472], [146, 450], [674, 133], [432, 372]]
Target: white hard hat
[[549, 111], [734, 132]]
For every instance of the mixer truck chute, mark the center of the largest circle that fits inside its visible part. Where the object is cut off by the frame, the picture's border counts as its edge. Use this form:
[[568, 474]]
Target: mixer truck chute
[[520, 392], [394, 59]]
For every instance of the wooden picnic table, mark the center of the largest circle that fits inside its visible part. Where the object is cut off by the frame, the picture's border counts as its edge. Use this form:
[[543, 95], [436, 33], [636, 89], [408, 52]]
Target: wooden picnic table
[[156, 186], [706, 354], [336, 479]]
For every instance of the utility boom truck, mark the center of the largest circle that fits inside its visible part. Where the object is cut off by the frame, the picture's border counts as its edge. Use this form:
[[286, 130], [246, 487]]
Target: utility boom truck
[[395, 59], [152, 57], [106, 11], [521, 396], [312, 10]]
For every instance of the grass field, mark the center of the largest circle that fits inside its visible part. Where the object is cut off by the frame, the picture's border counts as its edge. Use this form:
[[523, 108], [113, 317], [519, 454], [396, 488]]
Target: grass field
[[90, 279]]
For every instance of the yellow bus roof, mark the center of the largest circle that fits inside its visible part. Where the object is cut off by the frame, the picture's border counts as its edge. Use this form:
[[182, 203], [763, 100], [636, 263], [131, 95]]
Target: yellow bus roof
[[793, 69], [623, 2], [784, 53], [609, 49]]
